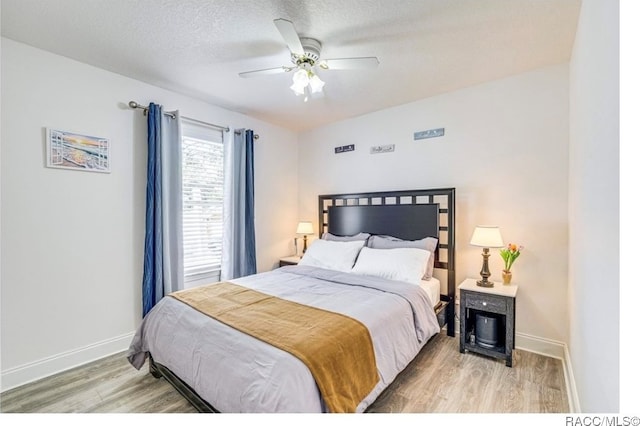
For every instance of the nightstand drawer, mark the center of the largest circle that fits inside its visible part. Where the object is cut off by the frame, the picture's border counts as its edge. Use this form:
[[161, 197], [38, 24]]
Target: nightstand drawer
[[486, 302]]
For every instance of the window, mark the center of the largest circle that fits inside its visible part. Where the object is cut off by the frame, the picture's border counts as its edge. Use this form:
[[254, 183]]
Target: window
[[202, 199]]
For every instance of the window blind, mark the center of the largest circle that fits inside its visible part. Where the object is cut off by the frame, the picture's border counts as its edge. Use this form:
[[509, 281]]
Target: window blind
[[202, 201]]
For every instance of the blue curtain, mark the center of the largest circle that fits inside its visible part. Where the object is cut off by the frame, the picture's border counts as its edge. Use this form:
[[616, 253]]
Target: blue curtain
[[163, 270], [239, 241]]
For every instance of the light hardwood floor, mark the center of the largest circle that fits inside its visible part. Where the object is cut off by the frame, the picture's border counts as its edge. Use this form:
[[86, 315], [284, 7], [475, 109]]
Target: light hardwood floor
[[439, 380]]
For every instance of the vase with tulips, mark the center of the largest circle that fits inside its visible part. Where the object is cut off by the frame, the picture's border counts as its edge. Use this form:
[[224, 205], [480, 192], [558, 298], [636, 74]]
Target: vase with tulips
[[509, 255]]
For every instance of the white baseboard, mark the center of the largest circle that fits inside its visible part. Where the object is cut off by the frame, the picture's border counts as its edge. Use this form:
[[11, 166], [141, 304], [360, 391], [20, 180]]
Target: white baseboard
[[540, 345], [26, 373], [572, 390], [553, 349]]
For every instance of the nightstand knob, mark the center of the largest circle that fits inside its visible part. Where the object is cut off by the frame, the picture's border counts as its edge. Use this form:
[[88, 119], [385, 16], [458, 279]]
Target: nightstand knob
[[484, 303]]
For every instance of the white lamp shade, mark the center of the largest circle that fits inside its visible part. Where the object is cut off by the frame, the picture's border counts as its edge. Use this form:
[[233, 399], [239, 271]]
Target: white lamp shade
[[305, 228], [304, 78], [300, 81], [316, 84], [487, 236]]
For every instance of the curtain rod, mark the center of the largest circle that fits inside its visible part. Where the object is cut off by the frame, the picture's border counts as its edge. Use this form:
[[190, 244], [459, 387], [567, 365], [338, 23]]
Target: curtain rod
[[134, 105]]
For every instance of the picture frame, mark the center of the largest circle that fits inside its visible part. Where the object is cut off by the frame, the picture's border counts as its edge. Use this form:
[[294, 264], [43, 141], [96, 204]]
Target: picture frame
[[75, 151]]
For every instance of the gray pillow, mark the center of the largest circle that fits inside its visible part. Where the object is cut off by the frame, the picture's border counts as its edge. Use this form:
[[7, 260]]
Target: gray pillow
[[389, 242], [358, 237]]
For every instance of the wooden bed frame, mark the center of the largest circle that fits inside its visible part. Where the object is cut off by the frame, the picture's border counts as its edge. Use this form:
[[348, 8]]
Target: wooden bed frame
[[376, 213]]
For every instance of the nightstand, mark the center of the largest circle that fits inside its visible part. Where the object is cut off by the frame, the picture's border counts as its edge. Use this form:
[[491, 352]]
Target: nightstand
[[488, 319], [291, 260]]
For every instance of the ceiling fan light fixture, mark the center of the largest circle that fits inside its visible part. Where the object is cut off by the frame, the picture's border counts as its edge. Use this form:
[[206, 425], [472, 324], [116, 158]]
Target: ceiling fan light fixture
[[304, 79], [316, 84], [298, 90], [300, 81]]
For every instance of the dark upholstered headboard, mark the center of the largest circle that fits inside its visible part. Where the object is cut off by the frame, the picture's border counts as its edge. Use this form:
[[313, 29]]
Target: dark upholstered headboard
[[418, 220], [410, 215]]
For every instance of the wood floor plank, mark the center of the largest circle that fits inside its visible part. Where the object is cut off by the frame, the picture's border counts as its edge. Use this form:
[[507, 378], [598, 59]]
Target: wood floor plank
[[439, 380]]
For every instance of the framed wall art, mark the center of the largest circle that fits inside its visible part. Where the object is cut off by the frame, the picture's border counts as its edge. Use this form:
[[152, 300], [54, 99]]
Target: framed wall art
[[73, 151]]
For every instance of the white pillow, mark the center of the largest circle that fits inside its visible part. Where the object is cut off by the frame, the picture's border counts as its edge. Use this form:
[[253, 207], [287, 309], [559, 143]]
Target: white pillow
[[335, 255], [398, 264], [387, 242]]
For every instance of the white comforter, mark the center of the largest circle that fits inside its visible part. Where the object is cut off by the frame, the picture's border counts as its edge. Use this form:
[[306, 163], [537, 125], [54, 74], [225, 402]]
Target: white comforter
[[237, 373]]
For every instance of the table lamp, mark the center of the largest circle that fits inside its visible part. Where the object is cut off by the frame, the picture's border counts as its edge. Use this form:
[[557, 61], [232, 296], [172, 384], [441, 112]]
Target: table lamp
[[486, 237], [304, 228]]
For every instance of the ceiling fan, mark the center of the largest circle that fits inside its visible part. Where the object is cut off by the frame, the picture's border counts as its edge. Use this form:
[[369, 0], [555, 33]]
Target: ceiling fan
[[305, 57]]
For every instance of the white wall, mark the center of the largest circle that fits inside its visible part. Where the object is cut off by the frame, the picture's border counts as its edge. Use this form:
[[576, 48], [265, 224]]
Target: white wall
[[594, 276], [505, 150], [72, 241]]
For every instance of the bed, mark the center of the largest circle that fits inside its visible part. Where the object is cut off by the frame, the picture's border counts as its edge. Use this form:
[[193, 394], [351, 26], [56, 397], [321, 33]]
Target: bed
[[219, 366]]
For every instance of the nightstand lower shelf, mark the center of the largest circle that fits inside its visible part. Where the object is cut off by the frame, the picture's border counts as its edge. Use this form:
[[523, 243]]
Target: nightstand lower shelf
[[494, 352]]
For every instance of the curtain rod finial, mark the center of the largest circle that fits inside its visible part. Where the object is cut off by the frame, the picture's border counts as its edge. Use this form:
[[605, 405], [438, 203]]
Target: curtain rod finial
[[133, 104]]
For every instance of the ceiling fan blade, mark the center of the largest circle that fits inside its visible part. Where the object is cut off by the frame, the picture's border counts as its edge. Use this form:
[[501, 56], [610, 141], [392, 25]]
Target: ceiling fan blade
[[267, 71], [350, 63], [290, 36]]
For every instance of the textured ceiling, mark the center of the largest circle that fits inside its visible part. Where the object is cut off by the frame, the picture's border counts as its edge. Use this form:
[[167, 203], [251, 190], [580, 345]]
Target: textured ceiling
[[198, 47]]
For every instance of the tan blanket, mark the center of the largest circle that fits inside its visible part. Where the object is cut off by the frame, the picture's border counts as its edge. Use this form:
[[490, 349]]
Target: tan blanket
[[337, 349]]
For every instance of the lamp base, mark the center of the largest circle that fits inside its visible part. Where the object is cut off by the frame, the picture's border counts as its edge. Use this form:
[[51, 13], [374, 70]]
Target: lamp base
[[484, 283], [484, 273]]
